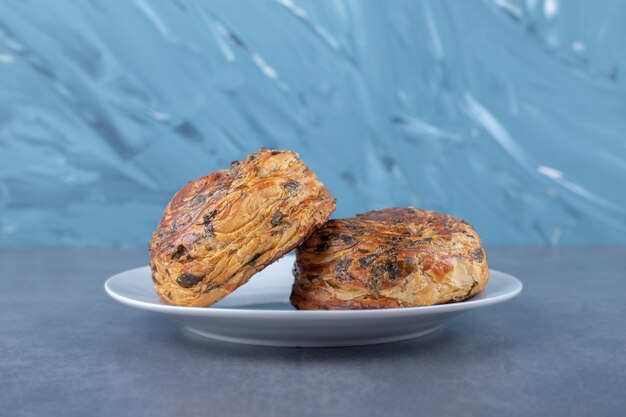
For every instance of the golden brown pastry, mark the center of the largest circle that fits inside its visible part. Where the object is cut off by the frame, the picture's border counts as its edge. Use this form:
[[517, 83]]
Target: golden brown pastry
[[222, 228], [396, 257]]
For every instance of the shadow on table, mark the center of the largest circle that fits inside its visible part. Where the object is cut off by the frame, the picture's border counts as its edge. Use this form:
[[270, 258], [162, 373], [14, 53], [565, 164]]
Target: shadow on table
[[455, 340], [498, 330]]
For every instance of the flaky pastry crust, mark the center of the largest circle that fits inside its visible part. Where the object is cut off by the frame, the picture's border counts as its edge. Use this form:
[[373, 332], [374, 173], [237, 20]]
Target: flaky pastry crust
[[396, 257], [219, 230]]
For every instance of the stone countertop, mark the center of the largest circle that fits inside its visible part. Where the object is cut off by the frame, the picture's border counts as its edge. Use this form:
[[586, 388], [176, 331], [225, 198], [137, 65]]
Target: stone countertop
[[559, 348]]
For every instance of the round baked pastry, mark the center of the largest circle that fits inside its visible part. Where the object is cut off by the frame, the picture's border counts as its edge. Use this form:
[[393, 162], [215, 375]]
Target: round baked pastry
[[222, 228], [396, 257]]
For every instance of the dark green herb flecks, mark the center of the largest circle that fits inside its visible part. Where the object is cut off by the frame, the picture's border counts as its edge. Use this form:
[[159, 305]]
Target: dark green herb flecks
[[390, 269], [208, 230], [207, 217], [209, 288], [342, 267], [187, 280], [180, 251], [254, 259], [478, 254], [346, 239], [367, 260], [277, 217], [321, 247], [292, 186]]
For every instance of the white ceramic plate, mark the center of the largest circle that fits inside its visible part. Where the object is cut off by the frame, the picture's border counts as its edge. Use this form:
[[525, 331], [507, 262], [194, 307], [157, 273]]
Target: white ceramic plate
[[259, 312]]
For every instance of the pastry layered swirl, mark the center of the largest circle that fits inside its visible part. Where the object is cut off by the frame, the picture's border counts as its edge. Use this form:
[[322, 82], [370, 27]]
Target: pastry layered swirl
[[397, 257], [220, 229]]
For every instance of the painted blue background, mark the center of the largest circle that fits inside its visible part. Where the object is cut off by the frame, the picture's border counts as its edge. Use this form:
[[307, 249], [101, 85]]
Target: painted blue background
[[510, 114]]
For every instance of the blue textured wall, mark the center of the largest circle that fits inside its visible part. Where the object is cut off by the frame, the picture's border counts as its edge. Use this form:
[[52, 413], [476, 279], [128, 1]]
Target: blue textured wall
[[510, 114]]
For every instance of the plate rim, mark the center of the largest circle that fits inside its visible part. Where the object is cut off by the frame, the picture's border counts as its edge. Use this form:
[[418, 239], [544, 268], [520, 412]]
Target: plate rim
[[516, 288]]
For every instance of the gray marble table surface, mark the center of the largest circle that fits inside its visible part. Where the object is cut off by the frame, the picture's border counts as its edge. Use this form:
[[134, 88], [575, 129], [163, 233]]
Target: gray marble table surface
[[559, 349]]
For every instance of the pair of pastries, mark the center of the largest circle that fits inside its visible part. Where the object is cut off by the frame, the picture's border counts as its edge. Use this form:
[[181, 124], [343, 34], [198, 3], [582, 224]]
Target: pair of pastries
[[221, 229]]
